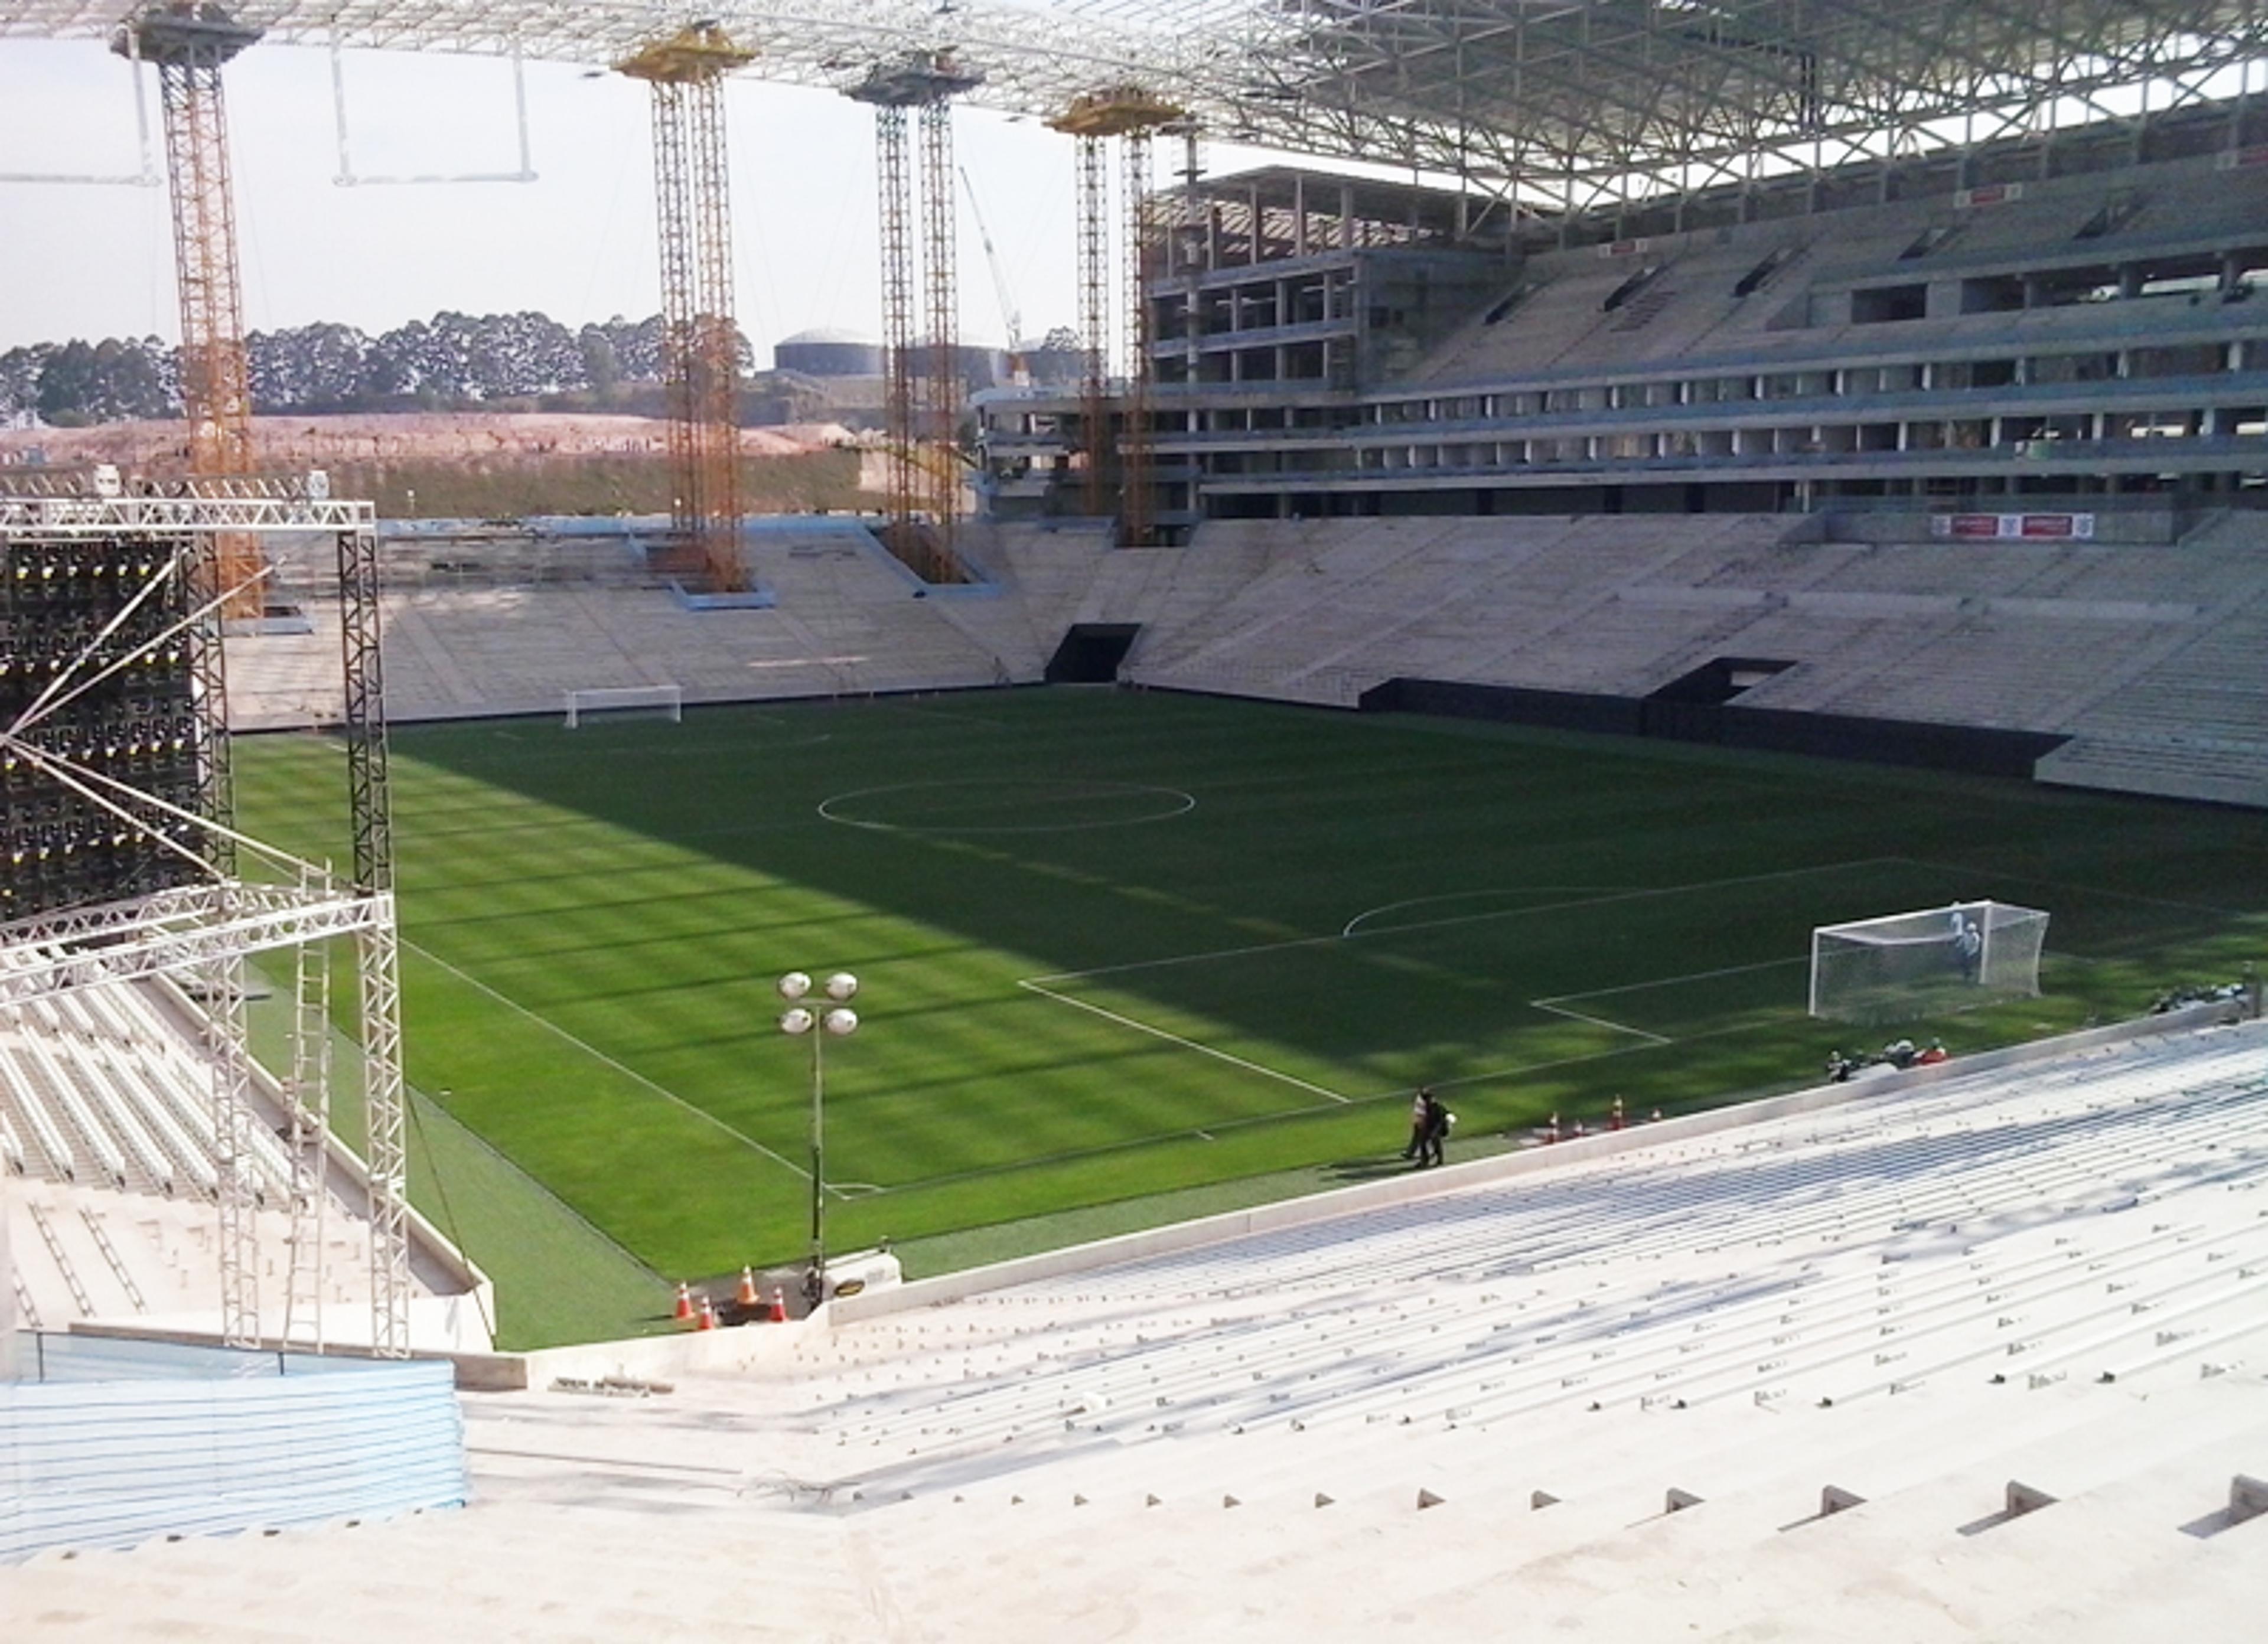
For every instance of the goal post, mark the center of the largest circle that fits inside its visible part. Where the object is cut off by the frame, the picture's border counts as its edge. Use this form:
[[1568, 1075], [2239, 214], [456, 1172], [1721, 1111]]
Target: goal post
[[1902, 965], [647, 701]]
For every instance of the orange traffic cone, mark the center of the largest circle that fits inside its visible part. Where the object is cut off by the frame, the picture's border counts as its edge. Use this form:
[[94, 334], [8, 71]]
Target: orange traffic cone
[[708, 1315], [777, 1312], [684, 1303], [747, 1298]]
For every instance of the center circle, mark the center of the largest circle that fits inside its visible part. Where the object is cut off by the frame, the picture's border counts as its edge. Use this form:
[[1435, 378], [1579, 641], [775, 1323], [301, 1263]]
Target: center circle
[[1005, 805]]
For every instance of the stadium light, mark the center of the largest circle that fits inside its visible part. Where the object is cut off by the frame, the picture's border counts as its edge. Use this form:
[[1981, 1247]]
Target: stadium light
[[829, 1018]]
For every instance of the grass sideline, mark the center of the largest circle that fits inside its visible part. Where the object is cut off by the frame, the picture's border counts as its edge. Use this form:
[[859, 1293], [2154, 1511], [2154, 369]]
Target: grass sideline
[[1122, 945]]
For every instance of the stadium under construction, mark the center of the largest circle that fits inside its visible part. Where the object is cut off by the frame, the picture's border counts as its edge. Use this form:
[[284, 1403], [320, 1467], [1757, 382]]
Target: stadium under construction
[[1883, 383]]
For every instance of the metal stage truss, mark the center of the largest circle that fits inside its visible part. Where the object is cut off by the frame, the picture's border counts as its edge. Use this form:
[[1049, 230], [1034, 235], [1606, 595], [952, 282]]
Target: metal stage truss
[[236, 897], [1548, 104]]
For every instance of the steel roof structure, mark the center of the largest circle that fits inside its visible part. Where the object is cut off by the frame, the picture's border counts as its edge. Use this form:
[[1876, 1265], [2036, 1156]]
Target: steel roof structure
[[1558, 104]]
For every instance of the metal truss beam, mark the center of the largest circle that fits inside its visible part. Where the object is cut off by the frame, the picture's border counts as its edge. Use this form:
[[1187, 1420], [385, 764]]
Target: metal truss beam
[[940, 282], [894, 202], [1134, 465], [1539, 102], [40, 504], [1094, 203], [173, 931]]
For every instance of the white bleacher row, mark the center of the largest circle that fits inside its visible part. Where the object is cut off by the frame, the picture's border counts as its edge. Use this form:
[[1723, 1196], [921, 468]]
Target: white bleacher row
[[846, 622], [2103, 1217], [1785, 1380], [1693, 308], [96, 1085], [2152, 652]]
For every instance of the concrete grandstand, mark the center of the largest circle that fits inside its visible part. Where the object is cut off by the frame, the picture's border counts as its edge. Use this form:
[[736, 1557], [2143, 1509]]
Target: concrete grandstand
[[1964, 1354]]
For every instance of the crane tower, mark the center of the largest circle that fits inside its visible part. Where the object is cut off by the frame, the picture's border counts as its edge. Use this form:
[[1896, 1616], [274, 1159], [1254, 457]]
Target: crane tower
[[919, 484], [189, 45], [701, 344], [1132, 115]]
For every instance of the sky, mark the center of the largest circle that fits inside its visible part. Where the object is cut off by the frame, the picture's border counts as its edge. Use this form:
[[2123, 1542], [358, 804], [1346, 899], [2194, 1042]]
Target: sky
[[577, 244]]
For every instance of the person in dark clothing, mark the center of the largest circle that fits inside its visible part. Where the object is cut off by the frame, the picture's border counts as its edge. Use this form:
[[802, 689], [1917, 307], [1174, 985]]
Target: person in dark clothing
[[1418, 1121], [1436, 1131]]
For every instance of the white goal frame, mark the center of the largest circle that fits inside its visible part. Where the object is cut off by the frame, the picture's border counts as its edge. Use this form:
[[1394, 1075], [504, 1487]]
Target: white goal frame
[[666, 700], [1900, 965]]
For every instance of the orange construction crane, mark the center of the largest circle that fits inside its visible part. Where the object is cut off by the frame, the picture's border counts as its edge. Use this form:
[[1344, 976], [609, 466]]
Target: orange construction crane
[[701, 344]]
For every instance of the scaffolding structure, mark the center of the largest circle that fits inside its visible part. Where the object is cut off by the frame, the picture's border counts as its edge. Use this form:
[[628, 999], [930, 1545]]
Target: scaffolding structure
[[201, 930], [921, 406], [1132, 115], [701, 342], [190, 47]]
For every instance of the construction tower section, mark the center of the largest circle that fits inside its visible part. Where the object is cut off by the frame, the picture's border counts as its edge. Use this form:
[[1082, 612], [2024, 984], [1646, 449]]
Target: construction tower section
[[1117, 469], [922, 400], [189, 45], [700, 343]]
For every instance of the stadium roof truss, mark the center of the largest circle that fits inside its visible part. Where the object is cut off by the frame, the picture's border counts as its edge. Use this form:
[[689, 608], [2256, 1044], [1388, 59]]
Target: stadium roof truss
[[1554, 104]]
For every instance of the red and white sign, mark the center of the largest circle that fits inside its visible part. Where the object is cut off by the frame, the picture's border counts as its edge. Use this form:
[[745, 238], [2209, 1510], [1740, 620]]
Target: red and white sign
[[2038, 527], [1990, 194]]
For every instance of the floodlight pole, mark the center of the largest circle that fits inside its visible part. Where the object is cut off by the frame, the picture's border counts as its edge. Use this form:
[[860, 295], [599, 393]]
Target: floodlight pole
[[840, 1022]]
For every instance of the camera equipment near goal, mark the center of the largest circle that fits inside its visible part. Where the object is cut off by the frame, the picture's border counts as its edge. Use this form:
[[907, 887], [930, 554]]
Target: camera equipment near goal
[[1906, 966]]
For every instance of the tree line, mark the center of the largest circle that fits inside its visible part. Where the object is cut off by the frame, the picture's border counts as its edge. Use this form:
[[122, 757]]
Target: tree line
[[523, 361]]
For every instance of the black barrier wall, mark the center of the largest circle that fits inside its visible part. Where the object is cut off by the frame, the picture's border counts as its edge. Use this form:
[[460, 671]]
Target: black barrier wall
[[1973, 749]]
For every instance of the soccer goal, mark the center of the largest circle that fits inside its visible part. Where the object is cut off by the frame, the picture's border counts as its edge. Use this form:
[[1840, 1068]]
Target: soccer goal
[[645, 702], [1911, 965]]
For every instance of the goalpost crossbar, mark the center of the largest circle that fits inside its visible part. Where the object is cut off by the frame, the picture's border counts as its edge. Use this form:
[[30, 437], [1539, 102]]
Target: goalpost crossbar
[[666, 700]]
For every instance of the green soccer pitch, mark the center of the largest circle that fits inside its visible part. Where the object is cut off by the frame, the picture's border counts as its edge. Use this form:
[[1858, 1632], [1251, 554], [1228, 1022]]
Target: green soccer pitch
[[1114, 945]]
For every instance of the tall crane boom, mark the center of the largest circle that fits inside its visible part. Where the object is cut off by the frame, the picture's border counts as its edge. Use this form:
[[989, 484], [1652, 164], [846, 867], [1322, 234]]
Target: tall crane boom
[[1011, 316]]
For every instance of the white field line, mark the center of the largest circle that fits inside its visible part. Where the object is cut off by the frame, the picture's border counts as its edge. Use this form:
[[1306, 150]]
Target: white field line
[[1457, 919], [1555, 1005], [1349, 929], [1261, 1069], [1600, 1021], [598, 1055]]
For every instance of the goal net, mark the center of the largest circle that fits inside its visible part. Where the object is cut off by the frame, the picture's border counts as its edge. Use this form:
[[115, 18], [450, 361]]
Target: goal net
[[1905, 966], [646, 701]]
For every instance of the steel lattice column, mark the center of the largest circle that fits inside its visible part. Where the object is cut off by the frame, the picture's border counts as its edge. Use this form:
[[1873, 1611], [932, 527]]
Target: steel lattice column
[[895, 203], [1134, 499], [1094, 207], [692, 167], [309, 1108], [370, 806], [189, 51], [940, 253], [221, 982]]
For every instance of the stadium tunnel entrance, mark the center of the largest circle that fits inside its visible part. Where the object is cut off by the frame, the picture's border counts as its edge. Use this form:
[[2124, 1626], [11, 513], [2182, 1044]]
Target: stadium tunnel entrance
[[1091, 653]]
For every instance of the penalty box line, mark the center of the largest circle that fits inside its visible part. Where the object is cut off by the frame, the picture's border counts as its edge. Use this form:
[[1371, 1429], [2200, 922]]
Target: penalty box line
[[1037, 985], [1556, 1003]]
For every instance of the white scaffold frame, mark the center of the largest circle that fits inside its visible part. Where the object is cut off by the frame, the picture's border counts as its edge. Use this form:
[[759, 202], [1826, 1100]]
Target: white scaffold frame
[[203, 932]]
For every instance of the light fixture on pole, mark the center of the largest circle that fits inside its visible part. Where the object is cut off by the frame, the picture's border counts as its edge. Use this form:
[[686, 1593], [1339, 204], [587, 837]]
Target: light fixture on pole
[[834, 1020]]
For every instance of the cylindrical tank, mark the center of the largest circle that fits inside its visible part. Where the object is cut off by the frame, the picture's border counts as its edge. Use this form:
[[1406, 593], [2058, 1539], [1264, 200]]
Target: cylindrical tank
[[822, 352]]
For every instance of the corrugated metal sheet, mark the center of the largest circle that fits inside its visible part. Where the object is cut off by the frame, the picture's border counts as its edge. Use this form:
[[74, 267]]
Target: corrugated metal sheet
[[113, 1463]]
